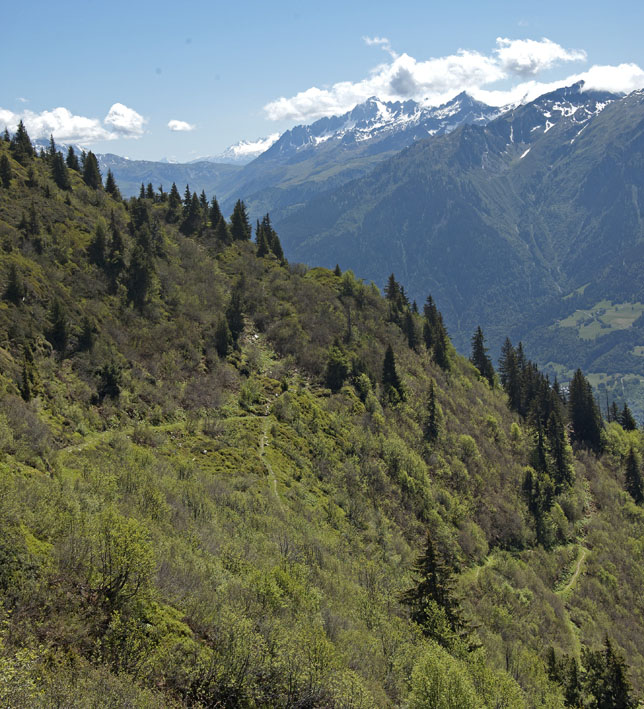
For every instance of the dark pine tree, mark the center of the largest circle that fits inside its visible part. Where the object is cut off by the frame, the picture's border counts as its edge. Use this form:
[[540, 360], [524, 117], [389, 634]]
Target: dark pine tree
[[431, 424], [479, 357], [111, 187], [235, 313], [71, 160], [91, 173], [59, 172], [605, 679], [432, 603], [510, 375], [214, 214], [138, 279], [15, 290], [409, 328], [633, 475], [86, 336], [223, 338], [21, 146], [337, 368], [115, 265], [562, 469], [336, 271], [222, 233], [240, 228], [98, 246], [174, 204], [585, 417], [58, 334], [390, 380], [626, 419], [191, 223], [6, 173]]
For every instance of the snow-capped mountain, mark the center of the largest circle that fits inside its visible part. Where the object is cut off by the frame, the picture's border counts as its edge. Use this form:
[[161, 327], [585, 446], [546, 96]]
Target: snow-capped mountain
[[376, 120], [242, 152], [571, 104]]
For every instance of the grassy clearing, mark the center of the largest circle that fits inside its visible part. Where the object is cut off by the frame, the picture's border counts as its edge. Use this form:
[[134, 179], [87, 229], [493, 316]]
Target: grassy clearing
[[603, 318]]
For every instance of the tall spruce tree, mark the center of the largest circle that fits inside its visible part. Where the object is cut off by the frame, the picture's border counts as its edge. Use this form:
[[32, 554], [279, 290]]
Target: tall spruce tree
[[432, 603], [59, 172], [633, 475], [71, 160], [585, 417], [110, 185], [626, 419], [510, 375], [58, 333], [390, 380], [6, 173], [15, 290], [20, 146], [431, 429], [91, 173], [240, 228], [479, 357]]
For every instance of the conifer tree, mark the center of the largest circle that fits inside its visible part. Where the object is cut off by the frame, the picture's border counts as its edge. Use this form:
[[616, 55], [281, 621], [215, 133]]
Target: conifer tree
[[605, 679], [59, 172], [214, 213], [336, 271], [240, 229], [174, 203], [390, 379], [222, 233], [191, 223], [562, 469], [260, 240], [223, 338], [337, 368], [28, 376], [111, 187], [409, 328], [585, 417], [149, 192], [633, 474], [613, 412], [15, 291], [58, 334], [142, 192], [626, 419], [21, 146], [91, 173], [86, 336], [71, 160], [510, 375], [98, 245], [432, 603], [431, 425], [479, 357], [6, 173], [138, 279], [116, 255], [187, 200], [5, 136], [235, 314]]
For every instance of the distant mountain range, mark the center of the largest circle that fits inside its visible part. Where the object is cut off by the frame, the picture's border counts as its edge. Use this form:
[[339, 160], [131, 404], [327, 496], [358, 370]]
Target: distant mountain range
[[308, 159], [531, 226]]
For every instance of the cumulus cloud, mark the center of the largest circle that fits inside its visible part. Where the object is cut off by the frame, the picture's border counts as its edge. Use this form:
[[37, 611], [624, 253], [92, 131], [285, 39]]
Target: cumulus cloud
[[179, 126], [438, 79], [120, 122], [125, 121], [529, 57]]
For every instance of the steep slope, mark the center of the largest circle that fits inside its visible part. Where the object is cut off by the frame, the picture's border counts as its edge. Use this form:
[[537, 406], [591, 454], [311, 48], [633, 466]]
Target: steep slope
[[211, 495], [504, 224]]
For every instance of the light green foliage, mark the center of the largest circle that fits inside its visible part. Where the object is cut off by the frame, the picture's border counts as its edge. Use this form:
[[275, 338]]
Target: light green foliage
[[221, 528]]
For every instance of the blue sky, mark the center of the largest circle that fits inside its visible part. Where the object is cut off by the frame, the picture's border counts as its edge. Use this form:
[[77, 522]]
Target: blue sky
[[119, 72]]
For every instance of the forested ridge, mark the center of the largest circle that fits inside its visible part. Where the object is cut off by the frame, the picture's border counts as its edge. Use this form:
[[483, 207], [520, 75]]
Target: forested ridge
[[227, 480]]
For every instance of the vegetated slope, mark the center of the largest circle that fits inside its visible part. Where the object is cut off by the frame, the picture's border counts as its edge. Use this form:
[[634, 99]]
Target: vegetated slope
[[211, 498], [506, 224]]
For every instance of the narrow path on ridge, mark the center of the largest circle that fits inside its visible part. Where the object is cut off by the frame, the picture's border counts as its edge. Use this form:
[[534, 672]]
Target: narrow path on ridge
[[271, 473]]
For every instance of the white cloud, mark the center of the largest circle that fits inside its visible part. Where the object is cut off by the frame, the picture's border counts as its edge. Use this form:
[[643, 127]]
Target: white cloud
[[381, 42], [125, 121], [178, 126], [623, 78], [120, 122], [433, 80], [529, 57]]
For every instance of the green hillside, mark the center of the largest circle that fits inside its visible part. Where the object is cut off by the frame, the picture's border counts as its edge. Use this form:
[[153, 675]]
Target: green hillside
[[230, 481]]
